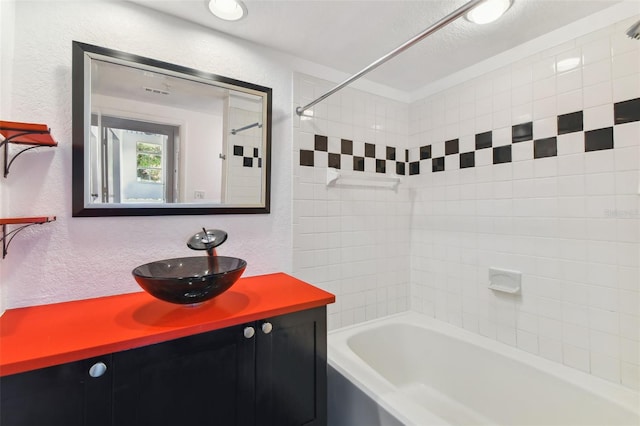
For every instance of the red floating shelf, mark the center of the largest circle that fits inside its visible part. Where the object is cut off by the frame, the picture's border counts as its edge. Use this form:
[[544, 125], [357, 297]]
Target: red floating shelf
[[7, 236], [26, 220], [31, 134], [26, 133]]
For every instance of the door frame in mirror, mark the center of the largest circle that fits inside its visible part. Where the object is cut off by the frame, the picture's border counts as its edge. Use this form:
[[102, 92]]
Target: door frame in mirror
[[79, 126]]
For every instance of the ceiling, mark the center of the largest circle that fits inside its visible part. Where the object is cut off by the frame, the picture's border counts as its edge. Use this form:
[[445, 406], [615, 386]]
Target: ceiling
[[153, 85], [348, 35]]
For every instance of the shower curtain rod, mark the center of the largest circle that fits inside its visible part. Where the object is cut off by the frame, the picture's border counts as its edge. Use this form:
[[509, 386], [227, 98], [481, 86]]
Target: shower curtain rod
[[432, 29]]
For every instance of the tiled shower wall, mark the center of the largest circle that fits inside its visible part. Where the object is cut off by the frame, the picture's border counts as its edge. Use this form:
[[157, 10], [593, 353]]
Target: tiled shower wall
[[537, 171], [533, 167], [244, 175], [352, 240]]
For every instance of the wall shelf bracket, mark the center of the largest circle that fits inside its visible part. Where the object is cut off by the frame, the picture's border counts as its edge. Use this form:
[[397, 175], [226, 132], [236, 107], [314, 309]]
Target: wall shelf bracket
[[33, 135], [7, 236]]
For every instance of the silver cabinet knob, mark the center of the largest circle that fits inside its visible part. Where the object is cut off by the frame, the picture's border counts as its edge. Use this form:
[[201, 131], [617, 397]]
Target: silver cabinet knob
[[249, 332], [98, 369], [267, 327]]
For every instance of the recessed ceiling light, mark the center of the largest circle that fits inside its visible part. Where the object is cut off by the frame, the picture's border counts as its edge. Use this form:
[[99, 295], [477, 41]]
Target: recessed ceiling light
[[488, 11], [229, 10]]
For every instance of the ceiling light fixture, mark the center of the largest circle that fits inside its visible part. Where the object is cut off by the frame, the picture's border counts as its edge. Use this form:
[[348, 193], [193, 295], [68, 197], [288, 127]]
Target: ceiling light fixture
[[488, 11], [229, 10]]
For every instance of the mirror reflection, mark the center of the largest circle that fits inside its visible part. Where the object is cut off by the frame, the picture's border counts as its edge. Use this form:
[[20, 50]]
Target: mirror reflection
[[156, 138]]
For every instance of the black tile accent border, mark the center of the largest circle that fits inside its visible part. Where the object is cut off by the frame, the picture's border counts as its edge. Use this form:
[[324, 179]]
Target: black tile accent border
[[306, 157], [437, 164], [321, 143], [334, 161], [627, 111], [467, 159], [484, 140], [547, 147], [346, 146], [451, 147], [369, 150], [594, 140], [358, 164], [391, 153], [251, 155], [522, 132], [502, 154], [569, 123], [597, 140], [425, 152]]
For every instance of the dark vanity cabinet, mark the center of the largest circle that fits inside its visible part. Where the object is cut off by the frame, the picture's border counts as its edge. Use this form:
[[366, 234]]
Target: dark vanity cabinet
[[205, 379], [61, 395], [267, 372], [291, 369]]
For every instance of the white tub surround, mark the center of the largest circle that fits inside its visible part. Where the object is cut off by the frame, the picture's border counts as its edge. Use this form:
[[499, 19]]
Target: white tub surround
[[525, 162], [420, 371]]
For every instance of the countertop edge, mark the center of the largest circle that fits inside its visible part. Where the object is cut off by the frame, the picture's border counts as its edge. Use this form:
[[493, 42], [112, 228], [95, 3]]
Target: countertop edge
[[311, 297]]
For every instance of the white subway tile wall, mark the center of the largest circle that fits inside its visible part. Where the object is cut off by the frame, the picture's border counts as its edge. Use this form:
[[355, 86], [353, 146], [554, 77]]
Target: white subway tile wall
[[529, 168], [570, 222], [351, 241], [244, 158]]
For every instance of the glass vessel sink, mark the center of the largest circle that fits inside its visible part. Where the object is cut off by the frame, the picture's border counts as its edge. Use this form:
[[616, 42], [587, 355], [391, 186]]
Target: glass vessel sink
[[189, 280]]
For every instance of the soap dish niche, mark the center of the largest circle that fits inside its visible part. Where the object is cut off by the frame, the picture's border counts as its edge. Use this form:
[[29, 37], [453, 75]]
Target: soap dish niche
[[505, 280]]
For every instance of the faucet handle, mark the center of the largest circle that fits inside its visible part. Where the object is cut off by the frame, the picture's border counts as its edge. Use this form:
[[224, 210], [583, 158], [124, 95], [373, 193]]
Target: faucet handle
[[207, 239]]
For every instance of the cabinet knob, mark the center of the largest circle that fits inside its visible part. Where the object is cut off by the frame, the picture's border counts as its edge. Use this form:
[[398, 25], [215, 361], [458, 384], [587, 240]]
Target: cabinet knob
[[267, 327], [98, 369], [249, 332]]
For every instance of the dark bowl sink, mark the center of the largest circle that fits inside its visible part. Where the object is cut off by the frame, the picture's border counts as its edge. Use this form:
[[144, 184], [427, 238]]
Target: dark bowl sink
[[189, 280]]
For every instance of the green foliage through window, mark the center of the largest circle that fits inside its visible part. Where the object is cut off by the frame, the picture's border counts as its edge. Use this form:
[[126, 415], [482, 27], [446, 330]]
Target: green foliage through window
[[149, 162]]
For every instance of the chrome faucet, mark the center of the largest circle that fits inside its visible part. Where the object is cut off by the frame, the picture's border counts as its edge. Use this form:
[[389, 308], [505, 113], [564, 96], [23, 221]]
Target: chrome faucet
[[207, 240]]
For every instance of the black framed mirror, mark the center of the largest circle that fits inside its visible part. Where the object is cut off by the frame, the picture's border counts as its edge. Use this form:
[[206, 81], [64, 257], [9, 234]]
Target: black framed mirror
[[154, 138]]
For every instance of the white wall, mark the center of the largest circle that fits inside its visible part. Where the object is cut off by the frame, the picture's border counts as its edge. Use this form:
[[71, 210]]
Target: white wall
[[75, 258], [6, 57], [569, 223], [351, 241]]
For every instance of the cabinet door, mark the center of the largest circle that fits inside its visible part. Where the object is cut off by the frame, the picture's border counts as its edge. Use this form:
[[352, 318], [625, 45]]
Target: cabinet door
[[64, 395], [291, 370], [205, 379]]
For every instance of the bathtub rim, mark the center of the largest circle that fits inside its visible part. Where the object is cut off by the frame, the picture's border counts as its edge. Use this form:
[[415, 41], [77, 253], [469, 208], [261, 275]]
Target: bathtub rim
[[376, 387]]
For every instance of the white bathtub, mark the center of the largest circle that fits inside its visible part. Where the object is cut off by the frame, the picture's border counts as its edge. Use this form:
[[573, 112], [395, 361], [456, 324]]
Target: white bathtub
[[409, 369]]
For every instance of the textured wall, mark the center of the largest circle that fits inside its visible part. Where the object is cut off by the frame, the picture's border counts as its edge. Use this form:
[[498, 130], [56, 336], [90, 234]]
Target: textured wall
[[6, 57], [76, 258]]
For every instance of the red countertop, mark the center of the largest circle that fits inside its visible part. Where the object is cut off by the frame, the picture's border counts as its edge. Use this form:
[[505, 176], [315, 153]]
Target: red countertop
[[42, 336]]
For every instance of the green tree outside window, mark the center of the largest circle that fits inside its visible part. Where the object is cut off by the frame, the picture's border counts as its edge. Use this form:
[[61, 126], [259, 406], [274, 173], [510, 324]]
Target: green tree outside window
[[149, 162]]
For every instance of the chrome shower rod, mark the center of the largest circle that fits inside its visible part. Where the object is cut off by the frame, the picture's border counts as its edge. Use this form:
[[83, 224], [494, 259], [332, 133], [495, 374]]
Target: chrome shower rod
[[432, 29]]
